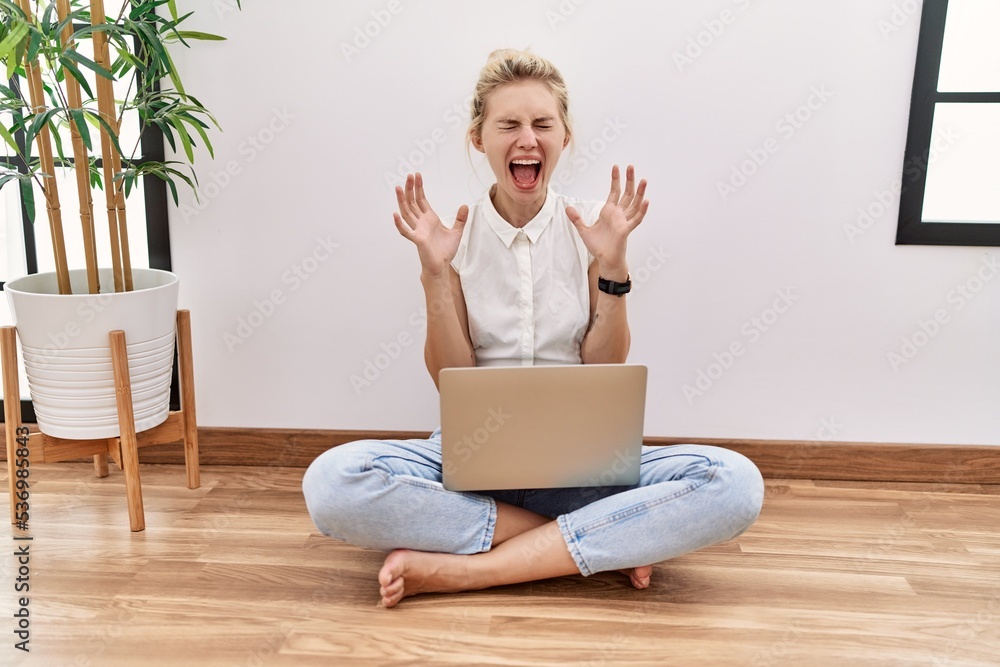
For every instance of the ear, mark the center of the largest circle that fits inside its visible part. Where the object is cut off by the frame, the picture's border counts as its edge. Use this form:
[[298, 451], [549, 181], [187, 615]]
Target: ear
[[477, 141], [566, 140]]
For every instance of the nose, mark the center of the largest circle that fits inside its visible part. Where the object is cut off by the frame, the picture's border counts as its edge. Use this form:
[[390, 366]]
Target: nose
[[526, 137]]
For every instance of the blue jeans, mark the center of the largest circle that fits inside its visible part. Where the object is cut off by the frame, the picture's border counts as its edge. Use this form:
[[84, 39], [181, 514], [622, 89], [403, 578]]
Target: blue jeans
[[388, 494]]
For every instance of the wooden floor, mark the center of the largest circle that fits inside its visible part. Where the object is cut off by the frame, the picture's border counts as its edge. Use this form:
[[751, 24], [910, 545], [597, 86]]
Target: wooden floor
[[234, 573]]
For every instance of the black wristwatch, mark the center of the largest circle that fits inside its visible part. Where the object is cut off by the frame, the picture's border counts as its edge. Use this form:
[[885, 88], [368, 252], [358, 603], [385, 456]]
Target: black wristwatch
[[611, 287]]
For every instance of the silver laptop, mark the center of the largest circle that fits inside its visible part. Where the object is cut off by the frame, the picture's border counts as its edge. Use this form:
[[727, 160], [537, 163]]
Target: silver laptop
[[539, 427]]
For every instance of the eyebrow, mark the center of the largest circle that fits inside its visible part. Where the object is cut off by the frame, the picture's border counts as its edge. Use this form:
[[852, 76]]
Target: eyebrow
[[542, 119]]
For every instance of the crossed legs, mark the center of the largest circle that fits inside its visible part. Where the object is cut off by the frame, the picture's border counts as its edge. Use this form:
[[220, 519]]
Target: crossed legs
[[526, 547], [386, 495]]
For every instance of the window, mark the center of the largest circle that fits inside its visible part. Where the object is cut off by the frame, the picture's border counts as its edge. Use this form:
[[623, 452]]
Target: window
[[951, 177]]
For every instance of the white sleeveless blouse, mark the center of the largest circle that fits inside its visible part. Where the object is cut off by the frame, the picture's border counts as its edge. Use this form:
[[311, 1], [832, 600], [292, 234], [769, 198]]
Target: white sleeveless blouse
[[526, 290]]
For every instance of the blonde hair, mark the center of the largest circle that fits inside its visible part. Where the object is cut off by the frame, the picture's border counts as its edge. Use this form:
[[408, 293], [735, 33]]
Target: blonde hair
[[506, 66]]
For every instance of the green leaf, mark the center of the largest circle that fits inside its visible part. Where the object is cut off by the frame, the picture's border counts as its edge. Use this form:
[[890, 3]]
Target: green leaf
[[5, 178], [7, 91], [28, 198], [75, 56], [174, 78], [173, 172], [95, 175], [76, 74], [68, 21], [9, 42], [57, 139], [81, 126], [146, 10], [114, 31], [185, 139], [47, 18], [173, 191], [21, 123], [38, 121], [9, 139], [34, 43], [165, 128], [152, 40], [12, 9], [193, 34], [103, 123], [199, 126], [172, 6], [129, 58]]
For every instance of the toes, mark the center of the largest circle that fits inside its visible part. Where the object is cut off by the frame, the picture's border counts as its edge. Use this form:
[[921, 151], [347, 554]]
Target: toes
[[394, 587], [391, 579], [392, 595], [392, 568], [640, 576]]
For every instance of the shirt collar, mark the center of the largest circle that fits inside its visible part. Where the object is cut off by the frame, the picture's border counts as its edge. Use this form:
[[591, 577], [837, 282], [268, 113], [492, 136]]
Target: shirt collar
[[532, 230]]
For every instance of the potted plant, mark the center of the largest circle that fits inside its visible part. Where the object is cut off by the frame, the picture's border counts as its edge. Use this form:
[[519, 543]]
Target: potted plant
[[62, 58]]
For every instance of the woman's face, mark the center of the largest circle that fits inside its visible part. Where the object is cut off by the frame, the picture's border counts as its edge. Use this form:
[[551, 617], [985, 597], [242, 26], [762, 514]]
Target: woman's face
[[522, 136]]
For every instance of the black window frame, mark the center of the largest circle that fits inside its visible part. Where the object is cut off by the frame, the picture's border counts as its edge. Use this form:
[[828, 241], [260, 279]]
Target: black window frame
[[911, 230]]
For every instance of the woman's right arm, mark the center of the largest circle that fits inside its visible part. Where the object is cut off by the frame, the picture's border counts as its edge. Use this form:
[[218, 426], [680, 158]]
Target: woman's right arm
[[448, 342]]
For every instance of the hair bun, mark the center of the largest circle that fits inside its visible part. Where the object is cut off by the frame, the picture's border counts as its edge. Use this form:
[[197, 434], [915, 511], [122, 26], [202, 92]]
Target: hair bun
[[503, 54]]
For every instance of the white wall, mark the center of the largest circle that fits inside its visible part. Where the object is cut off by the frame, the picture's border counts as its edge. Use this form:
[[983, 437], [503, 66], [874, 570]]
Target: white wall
[[328, 128]]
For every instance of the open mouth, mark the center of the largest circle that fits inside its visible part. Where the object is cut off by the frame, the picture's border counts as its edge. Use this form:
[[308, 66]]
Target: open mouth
[[525, 172]]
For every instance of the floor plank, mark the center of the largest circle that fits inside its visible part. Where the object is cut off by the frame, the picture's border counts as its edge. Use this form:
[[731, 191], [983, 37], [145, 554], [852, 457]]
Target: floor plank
[[234, 573]]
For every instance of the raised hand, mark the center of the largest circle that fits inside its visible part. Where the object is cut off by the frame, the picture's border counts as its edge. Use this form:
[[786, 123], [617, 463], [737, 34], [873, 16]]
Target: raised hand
[[417, 221], [606, 238]]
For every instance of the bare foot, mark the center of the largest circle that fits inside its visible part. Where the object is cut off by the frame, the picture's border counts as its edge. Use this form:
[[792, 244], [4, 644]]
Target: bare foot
[[406, 572], [639, 575]]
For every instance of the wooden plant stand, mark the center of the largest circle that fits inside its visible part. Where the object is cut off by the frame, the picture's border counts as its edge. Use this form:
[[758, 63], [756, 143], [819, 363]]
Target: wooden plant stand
[[181, 425]]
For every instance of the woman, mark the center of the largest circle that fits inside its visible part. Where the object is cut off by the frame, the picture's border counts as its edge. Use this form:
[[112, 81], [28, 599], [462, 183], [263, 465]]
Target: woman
[[526, 277]]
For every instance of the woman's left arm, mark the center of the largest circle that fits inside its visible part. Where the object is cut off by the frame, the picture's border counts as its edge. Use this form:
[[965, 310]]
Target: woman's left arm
[[607, 339]]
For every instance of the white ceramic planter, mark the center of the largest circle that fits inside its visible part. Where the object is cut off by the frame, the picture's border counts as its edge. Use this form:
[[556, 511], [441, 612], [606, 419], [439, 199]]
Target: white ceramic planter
[[67, 350]]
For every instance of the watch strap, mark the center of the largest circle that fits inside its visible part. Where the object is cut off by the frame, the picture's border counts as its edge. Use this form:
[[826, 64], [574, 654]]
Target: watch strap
[[611, 287]]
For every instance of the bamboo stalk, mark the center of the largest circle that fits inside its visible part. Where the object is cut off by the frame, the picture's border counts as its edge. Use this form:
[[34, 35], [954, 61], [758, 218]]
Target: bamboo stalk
[[119, 189], [106, 107], [82, 164], [51, 189], [122, 223]]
